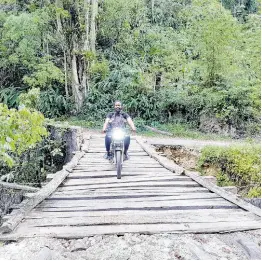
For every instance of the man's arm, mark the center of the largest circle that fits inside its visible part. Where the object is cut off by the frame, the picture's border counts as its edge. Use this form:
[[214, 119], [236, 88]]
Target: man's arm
[[105, 124], [131, 124]]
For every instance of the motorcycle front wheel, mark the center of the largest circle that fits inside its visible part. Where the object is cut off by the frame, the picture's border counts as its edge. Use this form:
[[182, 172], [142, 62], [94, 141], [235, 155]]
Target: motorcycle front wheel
[[118, 163]]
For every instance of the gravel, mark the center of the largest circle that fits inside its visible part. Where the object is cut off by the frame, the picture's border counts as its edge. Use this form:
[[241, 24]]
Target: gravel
[[135, 246]]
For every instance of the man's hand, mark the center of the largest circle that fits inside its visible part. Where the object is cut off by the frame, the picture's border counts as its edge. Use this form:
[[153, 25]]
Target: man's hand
[[103, 131], [133, 131]]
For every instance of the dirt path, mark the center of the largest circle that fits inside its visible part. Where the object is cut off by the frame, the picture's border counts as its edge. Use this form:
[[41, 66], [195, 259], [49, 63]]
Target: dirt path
[[189, 143]]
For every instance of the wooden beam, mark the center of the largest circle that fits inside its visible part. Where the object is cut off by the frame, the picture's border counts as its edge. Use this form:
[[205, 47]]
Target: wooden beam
[[17, 186]]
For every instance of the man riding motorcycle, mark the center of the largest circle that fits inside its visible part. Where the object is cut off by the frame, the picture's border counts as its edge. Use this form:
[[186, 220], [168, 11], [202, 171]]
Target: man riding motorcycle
[[117, 119]]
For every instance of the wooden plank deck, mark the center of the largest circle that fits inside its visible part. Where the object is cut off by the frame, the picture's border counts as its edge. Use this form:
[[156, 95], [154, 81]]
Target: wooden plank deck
[[148, 199]]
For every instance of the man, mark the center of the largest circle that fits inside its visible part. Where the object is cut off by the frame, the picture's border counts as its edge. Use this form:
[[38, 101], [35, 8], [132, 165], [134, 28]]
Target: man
[[113, 120]]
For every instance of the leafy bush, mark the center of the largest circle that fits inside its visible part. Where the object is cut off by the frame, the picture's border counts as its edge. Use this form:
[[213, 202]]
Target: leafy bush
[[53, 104], [20, 130], [30, 99], [32, 165], [9, 96], [238, 164], [139, 123]]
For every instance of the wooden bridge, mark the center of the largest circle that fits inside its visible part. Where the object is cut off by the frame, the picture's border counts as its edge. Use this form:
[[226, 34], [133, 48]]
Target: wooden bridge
[[153, 196]]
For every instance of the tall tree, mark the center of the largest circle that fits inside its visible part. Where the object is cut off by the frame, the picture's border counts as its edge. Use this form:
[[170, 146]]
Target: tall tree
[[77, 31]]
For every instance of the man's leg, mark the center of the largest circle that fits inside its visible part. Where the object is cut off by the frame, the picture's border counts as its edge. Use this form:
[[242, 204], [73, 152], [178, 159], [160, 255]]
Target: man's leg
[[107, 144], [126, 146]]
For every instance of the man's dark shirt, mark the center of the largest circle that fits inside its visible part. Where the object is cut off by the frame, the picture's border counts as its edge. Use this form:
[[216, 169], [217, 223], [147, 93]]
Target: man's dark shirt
[[117, 120]]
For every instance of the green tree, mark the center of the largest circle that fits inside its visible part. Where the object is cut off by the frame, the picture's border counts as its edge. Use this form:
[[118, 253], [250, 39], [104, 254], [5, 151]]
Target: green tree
[[19, 131]]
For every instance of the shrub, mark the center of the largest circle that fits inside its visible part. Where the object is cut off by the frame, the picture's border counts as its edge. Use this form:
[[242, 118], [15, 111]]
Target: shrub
[[239, 165]]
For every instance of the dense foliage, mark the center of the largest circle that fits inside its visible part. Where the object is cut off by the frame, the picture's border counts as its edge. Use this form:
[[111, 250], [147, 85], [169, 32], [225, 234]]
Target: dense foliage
[[32, 165], [19, 131], [237, 165], [188, 61]]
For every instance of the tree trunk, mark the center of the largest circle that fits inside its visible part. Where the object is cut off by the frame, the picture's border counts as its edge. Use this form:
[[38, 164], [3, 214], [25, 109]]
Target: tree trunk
[[152, 10], [65, 69], [87, 24], [77, 46], [78, 95], [63, 43], [94, 11]]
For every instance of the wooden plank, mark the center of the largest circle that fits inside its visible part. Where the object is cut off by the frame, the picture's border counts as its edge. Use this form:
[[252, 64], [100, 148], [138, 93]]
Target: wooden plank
[[125, 176], [101, 156], [162, 188], [81, 232], [125, 169], [38, 214], [153, 218], [136, 179], [148, 185], [131, 192], [39, 196], [144, 197], [137, 162], [102, 150], [101, 165], [105, 161], [110, 167], [126, 163], [71, 200], [99, 153], [121, 204], [122, 183], [125, 173]]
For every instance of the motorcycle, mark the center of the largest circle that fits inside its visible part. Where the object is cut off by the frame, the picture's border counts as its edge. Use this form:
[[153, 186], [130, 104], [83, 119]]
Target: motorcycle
[[117, 149]]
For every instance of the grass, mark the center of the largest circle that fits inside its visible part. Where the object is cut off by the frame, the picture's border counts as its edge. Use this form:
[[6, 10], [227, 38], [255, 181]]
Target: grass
[[186, 131], [74, 121], [237, 165]]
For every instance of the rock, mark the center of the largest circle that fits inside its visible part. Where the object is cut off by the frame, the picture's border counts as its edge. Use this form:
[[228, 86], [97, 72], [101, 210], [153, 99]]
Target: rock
[[199, 253], [209, 123], [254, 201], [44, 254], [79, 245]]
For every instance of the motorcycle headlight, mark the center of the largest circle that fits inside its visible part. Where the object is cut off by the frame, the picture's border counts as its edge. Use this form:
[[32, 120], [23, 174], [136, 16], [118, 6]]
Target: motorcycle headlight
[[118, 135]]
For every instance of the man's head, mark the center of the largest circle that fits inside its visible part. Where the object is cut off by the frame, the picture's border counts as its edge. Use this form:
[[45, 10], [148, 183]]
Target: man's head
[[118, 106]]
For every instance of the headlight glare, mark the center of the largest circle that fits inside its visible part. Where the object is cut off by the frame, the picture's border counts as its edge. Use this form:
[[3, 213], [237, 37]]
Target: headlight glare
[[118, 135]]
